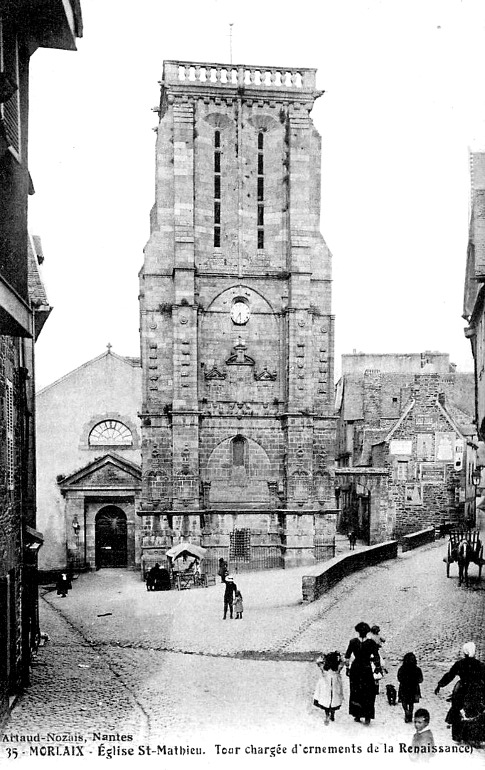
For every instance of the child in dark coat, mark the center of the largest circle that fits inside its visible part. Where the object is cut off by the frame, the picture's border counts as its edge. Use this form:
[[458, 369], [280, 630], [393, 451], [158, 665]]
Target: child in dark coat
[[409, 676]]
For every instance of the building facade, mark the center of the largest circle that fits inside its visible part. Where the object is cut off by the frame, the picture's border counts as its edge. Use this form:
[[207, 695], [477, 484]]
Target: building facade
[[23, 311], [88, 466], [236, 325], [474, 295], [405, 444]]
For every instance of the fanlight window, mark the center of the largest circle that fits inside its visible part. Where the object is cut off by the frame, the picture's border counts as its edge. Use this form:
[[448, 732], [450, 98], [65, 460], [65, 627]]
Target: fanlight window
[[110, 432]]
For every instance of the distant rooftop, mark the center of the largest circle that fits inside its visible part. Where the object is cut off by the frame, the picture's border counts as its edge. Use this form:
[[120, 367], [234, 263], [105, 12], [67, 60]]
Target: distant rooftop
[[409, 363]]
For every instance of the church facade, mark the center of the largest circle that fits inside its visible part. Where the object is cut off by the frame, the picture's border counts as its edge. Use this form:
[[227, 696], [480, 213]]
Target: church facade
[[88, 466], [237, 334]]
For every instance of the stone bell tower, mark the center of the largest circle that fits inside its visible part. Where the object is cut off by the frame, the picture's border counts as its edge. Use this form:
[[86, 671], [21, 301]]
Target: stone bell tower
[[236, 326]]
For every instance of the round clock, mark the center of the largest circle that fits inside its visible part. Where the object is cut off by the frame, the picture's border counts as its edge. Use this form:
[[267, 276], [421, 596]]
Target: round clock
[[240, 312]]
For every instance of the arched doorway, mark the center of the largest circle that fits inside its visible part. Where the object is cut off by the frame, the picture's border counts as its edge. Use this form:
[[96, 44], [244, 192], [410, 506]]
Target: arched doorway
[[111, 541]]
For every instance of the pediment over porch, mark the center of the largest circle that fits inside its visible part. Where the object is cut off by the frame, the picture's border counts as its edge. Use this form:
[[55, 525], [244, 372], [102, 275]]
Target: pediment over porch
[[104, 473]]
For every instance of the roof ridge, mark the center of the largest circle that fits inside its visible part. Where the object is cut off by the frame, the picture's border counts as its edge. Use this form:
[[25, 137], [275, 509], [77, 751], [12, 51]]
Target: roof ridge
[[125, 360]]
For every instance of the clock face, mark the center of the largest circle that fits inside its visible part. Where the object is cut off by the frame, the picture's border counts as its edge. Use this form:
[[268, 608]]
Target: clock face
[[240, 312]]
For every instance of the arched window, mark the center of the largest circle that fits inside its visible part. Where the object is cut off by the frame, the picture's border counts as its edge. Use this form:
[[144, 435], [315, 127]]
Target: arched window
[[112, 433], [238, 451]]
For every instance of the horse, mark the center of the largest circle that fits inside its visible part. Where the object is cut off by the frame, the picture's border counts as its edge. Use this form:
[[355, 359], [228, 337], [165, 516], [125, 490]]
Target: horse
[[464, 555]]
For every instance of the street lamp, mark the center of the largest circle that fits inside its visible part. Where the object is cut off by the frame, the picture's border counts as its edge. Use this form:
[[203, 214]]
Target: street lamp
[[76, 526], [476, 477]]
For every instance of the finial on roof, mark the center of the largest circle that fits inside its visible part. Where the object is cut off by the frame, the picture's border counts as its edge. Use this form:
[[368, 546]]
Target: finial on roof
[[109, 346]]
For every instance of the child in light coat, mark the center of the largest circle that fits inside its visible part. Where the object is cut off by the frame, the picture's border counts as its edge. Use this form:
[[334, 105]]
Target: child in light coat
[[238, 605], [329, 693]]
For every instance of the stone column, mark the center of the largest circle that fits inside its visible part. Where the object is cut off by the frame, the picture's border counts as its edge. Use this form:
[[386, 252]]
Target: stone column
[[299, 540]]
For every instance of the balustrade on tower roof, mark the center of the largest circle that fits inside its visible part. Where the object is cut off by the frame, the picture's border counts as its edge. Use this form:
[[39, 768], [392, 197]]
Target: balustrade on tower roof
[[185, 73]]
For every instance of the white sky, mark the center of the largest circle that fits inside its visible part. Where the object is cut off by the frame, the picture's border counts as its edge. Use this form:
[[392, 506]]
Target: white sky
[[403, 101]]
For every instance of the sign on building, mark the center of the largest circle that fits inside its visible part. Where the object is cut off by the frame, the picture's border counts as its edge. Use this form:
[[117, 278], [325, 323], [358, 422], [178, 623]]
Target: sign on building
[[445, 443], [401, 447], [433, 473], [413, 494]]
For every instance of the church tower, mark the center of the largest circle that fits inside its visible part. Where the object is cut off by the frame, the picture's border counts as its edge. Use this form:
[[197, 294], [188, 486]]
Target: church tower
[[237, 334]]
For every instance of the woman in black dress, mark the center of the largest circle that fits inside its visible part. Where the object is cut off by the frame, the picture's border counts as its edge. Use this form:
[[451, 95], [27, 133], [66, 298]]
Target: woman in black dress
[[363, 658], [467, 713]]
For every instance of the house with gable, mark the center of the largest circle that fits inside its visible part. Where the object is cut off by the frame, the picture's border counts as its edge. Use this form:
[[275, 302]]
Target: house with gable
[[405, 445], [88, 466], [430, 458]]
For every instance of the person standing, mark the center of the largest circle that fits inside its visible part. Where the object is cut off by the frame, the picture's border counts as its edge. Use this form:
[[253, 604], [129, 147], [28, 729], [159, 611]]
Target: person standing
[[229, 592], [62, 585], [423, 741], [329, 693], [238, 605], [409, 676], [362, 659], [223, 569]]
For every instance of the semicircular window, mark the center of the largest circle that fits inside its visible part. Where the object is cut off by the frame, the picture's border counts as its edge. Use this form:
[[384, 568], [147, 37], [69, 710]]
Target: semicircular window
[[110, 432]]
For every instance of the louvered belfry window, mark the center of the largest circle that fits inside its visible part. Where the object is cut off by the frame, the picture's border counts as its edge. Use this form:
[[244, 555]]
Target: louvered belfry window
[[260, 190], [217, 189], [9, 67]]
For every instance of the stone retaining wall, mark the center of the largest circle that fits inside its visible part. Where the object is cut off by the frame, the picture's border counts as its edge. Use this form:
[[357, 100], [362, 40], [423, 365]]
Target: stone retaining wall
[[416, 539], [313, 586]]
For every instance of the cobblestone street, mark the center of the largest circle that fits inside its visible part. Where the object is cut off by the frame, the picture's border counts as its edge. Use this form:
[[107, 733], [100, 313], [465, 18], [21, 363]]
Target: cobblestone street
[[167, 669]]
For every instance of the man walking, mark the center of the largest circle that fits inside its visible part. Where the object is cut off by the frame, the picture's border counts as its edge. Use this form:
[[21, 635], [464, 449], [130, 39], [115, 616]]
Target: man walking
[[229, 591]]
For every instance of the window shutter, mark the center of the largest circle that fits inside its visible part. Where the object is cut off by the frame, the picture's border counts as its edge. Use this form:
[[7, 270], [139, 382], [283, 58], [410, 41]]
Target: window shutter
[[9, 64], [9, 420]]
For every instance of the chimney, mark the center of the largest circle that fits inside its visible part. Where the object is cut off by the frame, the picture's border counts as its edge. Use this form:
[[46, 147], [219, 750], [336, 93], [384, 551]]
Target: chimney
[[372, 392]]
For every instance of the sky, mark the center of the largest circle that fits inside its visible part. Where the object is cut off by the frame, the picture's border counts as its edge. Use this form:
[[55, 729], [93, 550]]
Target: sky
[[403, 103]]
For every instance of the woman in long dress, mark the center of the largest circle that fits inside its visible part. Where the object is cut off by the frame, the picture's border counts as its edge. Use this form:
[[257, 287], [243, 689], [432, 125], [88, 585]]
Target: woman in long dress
[[362, 660], [467, 713]]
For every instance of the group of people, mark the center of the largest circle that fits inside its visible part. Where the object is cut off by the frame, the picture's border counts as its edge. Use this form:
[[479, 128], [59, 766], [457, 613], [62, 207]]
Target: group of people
[[364, 664], [364, 668], [233, 600], [158, 579]]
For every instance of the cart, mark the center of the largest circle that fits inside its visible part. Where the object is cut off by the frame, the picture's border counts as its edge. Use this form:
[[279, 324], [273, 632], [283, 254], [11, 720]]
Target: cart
[[184, 560], [464, 546]]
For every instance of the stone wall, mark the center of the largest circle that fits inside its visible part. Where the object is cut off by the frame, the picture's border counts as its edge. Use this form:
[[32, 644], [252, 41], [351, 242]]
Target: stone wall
[[415, 539], [313, 586]]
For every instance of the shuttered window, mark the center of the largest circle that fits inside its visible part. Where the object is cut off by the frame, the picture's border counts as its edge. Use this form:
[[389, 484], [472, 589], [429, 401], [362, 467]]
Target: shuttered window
[[10, 435], [9, 67]]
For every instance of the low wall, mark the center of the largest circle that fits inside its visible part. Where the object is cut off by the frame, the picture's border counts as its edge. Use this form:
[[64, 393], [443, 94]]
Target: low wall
[[415, 539], [313, 586]]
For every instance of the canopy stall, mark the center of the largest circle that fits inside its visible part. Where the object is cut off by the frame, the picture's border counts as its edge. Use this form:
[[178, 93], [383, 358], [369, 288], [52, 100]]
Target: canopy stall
[[186, 555]]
